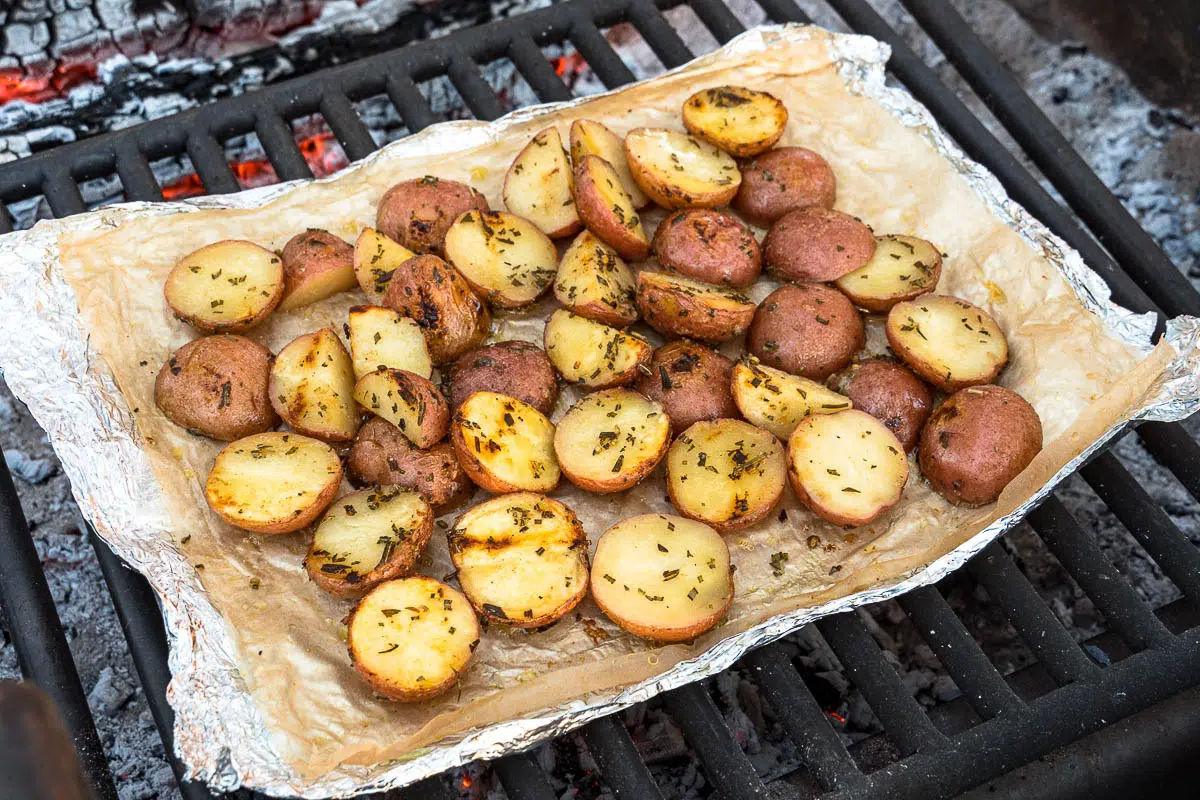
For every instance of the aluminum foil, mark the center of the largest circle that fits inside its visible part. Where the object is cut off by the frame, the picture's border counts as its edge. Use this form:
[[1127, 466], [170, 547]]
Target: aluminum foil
[[220, 733]]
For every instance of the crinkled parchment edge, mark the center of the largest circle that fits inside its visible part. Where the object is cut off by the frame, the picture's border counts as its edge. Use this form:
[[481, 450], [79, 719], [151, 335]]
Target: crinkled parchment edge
[[219, 733]]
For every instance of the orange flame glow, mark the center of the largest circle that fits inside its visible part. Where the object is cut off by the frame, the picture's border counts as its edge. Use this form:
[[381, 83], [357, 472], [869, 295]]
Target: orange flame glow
[[569, 64], [15, 85], [321, 151]]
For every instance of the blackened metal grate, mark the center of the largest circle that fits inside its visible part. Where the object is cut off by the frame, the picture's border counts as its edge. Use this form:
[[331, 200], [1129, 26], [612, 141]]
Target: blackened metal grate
[[1056, 703]]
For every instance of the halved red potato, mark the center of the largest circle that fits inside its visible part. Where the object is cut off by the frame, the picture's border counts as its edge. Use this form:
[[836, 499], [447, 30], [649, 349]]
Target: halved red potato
[[273, 482], [590, 138], [782, 180], [611, 440], [384, 456], [316, 265], [381, 337], [742, 122], [593, 354], [776, 401], [662, 577], [608, 210], [375, 260], [418, 212], [678, 171], [594, 282], [507, 259], [709, 246], [434, 294], [682, 307], [505, 445], [539, 186], [408, 401], [226, 287], [691, 381], [815, 244], [847, 468], [312, 387], [521, 559], [411, 639], [903, 267], [947, 341]]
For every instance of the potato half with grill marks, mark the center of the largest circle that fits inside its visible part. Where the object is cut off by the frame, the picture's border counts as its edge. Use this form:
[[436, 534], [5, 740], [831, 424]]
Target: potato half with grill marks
[[408, 401], [226, 287], [507, 259], [376, 258], [726, 473], [947, 341], [595, 283], [902, 268], [593, 354], [742, 122], [312, 387], [608, 210], [505, 445], [678, 306], [411, 639], [662, 577], [611, 440], [776, 401], [381, 337], [590, 138], [679, 171], [539, 186], [273, 482], [368, 537], [521, 559]]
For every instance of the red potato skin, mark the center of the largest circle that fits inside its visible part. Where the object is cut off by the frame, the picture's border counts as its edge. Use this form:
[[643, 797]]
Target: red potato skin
[[809, 329], [783, 180], [814, 244], [189, 388], [417, 213], [433, 294], [314, 251], [599, 219], [691, 382], [890, 393], [709, 246], [517, 369], [384, 456]]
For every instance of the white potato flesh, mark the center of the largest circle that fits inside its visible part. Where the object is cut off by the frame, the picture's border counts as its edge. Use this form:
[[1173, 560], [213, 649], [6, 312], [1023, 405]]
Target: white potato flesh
[[539, 186], [593, 354], [509, 440], [273, 482], [521, 558], [608, 210], [947, 341], [380, 337], [412, 638], [679, 171], [718, 298], [312, 386], [902, 267], [612, 439], [776, 400], [594, 282], [662, 577], [406, 400], [507, 259], [365, 534], [590, 138], [846, 467], [726, 473], [375, 259], [229, 286], [740, 121]]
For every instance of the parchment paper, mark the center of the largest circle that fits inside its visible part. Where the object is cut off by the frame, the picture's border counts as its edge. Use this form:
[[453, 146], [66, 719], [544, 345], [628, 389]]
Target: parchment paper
[[276, 654]]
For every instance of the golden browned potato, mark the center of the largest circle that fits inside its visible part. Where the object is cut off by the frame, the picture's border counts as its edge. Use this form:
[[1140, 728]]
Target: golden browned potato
[[595, 283], [683, 307], [539, 186], [742, 122], [610, 440], [809, 329], [709, 246], [408, 401], [678, 171], [691, 381], [890, 393], [608, 210], [947, 341], [431, 292], [903, 267], [506, 259], [776, 401], [417, 213], [977, 442], [381, 337], [592, 354], [273, 482], [521, 559], [662, 577], [726, 473], [376, 258], [227, 287], [590, 138], [312, 387], [384, 456], [816, 244], [783, 180], [847, 468], [368, 537], [316, 265], [217, 386], [505, 445], [517, 369], [411, 639]]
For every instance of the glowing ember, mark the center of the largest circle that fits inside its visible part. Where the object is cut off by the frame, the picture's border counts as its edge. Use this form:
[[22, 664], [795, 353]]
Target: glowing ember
[[837, 717], [322, 152], [466, 781], [15, 85], [568, 65]]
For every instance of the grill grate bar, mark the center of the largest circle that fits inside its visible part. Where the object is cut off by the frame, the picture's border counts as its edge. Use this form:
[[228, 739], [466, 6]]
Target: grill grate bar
[[905, 721], [476, 92], [783, 11], [523, 779], [410, 103], [599, 55], [1053, 154], [279, 143], [659, 34], [1172, 447], [818, 744], [62, 192], [429, 789], [725, 765], [533, 65], [720, 21], [354, 136], [133, 168], [1123, 609], [620, 763], [209, 161], [983, 687], [1148, 523]]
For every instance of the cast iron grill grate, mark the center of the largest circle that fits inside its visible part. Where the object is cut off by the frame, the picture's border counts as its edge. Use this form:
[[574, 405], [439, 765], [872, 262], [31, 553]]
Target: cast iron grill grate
[[1013, 720]]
